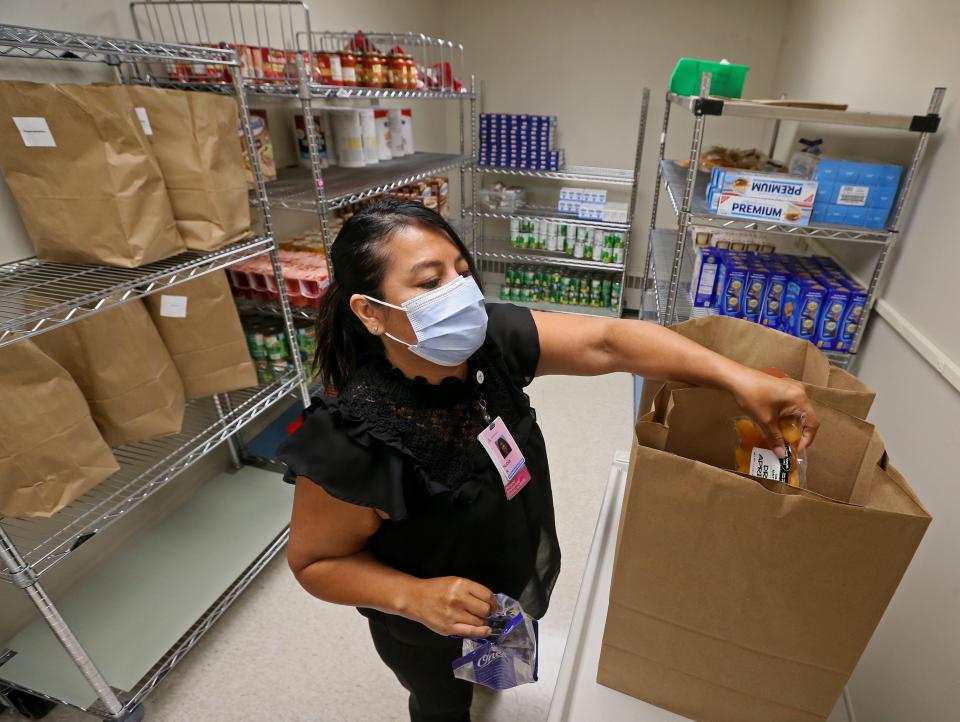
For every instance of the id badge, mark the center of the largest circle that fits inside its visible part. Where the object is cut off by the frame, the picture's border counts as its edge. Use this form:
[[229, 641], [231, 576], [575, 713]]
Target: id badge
[[506, 456]]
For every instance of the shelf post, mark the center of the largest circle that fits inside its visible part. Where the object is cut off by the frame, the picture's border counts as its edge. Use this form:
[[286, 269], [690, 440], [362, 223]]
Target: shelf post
[[936, 100], [683, 217], [628, 239], [653, 210], [474, 179], [25, 578]]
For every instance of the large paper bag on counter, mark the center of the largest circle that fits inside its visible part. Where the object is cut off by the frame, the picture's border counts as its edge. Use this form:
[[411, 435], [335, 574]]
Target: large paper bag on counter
[[123, 369], [50, 450], [760, 347], [194, 137], [83, 175], [200, 326], [736, 600]]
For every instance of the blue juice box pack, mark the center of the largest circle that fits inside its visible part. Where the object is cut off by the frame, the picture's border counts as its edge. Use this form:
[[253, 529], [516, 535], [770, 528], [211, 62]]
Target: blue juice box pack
[[830, 326], [852, 317], [731, 282], [773, 295], [752, 303], [801, 308], [703, 285], [854, 193]]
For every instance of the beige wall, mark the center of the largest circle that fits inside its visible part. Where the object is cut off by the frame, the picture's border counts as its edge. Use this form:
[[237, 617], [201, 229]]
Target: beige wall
[[587, 62], [888, 55]]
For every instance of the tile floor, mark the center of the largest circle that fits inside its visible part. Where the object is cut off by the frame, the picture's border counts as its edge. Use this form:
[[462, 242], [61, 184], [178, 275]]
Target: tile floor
[[279, 655]]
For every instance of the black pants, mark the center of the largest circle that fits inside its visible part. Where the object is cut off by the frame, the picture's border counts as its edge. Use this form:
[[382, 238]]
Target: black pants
[[423, 663]]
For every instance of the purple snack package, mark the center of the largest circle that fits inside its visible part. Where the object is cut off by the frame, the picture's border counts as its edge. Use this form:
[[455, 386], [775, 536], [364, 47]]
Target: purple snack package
[[508, 657]]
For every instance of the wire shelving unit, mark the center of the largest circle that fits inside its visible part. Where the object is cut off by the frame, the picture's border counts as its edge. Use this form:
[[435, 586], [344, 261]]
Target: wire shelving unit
[[36, 297], [286, 26], [669, 260], [494, 251]]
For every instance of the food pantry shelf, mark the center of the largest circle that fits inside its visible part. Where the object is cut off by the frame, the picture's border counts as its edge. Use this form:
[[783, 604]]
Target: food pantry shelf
[[675, 178], [536, 213], [492, 294], [770, 111], [663, 247], [540, 257], [289, 90], [572, 173], [144, 468], [37, 296], [140, 614], [343, 186]]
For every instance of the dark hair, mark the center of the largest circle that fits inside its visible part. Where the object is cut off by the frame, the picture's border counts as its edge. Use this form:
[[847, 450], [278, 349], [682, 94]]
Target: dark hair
[[359, 261]]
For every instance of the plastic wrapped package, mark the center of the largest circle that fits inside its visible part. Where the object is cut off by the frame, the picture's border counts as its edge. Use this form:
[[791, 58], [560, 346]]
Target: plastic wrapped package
[[508, 657]]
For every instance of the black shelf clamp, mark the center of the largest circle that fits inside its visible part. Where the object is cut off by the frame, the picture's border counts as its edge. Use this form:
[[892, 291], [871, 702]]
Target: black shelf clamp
[[707, 106], [928, 123]]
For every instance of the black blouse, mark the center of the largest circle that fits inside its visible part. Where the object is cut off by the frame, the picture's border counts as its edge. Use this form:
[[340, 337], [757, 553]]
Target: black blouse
[[410, 449]]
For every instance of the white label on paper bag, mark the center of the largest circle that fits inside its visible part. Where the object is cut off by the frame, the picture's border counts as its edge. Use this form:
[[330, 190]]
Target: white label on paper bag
[[35, 132], [765, 464], [853, 195], [173, 306], [144, 120]]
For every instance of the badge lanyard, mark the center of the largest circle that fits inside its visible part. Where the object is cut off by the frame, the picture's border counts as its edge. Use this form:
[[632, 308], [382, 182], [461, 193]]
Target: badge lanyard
[[502, 449]]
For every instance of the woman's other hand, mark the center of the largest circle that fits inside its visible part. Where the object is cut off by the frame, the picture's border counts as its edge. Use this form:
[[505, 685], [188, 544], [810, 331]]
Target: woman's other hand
[[769, 399], [451, 606]]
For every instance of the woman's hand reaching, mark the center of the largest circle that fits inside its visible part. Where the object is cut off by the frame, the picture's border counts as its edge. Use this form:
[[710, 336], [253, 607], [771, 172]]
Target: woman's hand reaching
[[451, 605], [769, 399]]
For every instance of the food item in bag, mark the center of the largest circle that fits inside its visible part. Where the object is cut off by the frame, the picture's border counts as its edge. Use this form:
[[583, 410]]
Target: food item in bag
[[755, 457], [508, 657], [51, 451], [84, 176]]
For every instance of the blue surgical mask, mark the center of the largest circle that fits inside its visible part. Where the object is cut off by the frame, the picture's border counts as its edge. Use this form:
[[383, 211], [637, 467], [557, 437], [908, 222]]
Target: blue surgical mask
[[450, 322]]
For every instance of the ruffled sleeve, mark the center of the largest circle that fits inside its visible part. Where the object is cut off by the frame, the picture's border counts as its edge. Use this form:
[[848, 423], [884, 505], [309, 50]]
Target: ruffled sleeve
[[514, 331], [338, 453]]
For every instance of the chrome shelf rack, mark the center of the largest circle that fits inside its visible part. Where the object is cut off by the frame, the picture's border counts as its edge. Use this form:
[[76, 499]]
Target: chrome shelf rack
[[38, 296], [669, 259], [494, 251], [286, 25]]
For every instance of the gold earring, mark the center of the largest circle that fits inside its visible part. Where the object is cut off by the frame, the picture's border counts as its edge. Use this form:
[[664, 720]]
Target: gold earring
[[376, 328]]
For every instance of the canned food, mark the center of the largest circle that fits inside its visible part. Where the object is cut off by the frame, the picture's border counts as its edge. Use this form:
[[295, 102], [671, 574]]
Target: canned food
[[526, 294], [579, 250], [508, 276], [515, 294], [257, 345], [505, 292], [515, 236], [595, 286], [615, 294], [264, 373], [529, 276], [276, 343]]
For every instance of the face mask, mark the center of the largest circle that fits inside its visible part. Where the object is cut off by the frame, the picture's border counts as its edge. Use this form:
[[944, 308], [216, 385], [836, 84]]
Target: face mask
[[450, 322]]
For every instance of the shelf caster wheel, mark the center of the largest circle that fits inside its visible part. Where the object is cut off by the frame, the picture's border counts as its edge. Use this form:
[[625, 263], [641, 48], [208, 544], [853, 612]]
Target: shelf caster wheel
[[28, 705], [135, 714]]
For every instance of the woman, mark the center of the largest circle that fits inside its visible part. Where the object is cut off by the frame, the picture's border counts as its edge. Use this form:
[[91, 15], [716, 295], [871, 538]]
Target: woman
[[399, 510]]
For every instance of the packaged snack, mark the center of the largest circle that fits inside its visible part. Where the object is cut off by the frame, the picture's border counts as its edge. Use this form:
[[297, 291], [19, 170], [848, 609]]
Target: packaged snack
[[703, 287], [730, 284], [772, 307], [852, 317], [508, 657], [753, 455], [754, 288], [831, 319]]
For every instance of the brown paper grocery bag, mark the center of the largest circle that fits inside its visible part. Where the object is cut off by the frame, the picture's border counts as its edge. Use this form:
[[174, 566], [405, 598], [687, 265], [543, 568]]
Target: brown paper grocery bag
[[51, 452], [83, 175], [125, 372], [195, 141], [760, 347], [739, 601], [200, 326]]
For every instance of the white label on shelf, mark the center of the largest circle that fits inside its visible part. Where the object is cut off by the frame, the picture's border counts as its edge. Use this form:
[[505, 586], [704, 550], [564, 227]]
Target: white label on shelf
[[35, 132], [144, 120], [853, 195], [173, 306]]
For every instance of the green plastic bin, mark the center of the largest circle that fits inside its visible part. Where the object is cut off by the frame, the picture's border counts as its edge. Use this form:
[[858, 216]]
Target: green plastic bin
[[727, 80]]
